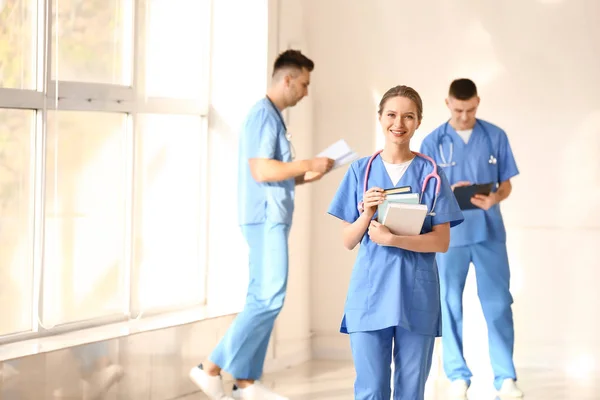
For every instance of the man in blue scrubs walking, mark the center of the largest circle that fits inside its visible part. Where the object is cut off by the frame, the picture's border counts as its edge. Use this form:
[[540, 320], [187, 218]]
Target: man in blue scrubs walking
[[268, 175], [473, 151]]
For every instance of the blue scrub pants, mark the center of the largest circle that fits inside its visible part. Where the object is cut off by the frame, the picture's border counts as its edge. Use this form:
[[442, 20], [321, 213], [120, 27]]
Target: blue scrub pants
[[243, 349], [372, 353], [493, 288]]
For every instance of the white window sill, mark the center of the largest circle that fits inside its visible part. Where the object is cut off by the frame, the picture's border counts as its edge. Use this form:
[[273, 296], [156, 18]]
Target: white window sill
[[111, 331]]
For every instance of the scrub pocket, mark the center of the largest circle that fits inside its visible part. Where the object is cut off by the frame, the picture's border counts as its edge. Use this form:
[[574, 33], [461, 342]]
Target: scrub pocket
[[426, 291]]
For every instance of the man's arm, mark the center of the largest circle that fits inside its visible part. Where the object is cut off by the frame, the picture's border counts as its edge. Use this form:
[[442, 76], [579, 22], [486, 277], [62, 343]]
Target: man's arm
[[486, 202], [269, 170], [503, 191], [309, 177]]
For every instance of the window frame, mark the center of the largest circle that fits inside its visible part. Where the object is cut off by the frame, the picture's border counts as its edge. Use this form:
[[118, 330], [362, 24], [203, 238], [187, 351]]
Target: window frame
[[59, 95]]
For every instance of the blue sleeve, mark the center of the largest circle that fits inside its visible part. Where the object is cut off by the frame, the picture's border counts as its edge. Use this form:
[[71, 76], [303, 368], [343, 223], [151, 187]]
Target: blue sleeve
[[262, 129], [426, 147], [344, 204], [446, 207], [507, 166]]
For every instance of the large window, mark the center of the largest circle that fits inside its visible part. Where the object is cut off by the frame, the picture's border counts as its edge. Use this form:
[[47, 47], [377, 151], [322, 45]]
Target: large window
[[17, 129], [169, 234], [102, 161]]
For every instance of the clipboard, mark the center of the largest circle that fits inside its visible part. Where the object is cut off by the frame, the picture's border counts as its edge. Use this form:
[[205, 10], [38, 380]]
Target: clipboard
[[463, 194]]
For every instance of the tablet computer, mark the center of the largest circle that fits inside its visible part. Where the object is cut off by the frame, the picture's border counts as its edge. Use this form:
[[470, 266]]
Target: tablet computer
[[463, 194]]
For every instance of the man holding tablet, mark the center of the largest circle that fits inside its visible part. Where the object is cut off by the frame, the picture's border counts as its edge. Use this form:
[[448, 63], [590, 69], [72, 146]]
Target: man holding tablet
[[478, 161]]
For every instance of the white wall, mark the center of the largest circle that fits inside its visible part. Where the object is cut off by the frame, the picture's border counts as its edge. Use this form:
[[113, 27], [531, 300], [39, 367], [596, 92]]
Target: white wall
[[241, 68], [536, 64]]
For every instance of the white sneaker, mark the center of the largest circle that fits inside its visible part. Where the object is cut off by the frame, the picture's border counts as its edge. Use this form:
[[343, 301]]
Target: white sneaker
[[458, 390], [212, 386], [509, 388], [256, 391]]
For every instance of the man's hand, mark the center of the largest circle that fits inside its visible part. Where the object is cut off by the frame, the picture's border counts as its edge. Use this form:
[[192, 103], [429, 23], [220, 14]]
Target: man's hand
[[379, 233], [485, 202], [311, 176], [318, 168], [321, 165]]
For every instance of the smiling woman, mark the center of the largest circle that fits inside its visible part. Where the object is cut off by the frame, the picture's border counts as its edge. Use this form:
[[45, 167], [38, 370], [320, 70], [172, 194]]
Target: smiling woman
[[393, 298]]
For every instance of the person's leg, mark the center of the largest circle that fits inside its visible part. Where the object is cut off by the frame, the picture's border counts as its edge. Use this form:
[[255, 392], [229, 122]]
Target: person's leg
[[412, 361], [372, 354], [493, 288], [242, 350], [453, 267]]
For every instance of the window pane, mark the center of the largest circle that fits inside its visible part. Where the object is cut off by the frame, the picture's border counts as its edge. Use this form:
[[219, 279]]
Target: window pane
[[94, 41], [169, 226], [18, 30], [177, 44], [84, 236], [16, 236]]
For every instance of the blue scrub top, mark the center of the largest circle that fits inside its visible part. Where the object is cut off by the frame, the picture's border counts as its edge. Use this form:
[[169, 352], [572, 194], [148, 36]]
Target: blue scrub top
[[391, 286], [264, 136], [472, 165]]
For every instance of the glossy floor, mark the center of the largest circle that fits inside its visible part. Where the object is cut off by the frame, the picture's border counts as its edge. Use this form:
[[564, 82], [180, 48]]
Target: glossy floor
[[327, 380], [317, 380]]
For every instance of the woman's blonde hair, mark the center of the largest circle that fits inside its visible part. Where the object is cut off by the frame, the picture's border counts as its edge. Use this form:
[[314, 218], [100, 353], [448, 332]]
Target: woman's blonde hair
[[403, 91]]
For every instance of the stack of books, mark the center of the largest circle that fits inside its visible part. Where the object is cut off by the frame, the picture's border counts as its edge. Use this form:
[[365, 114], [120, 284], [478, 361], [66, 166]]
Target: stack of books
[[401, 212]]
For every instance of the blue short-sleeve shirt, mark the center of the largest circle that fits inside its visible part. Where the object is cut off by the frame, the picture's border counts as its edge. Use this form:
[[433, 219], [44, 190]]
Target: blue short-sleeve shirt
[[264, 136]]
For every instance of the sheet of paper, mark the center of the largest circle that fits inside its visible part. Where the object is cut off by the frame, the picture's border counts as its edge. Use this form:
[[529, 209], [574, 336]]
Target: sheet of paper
[[340, 152], [347, 159]]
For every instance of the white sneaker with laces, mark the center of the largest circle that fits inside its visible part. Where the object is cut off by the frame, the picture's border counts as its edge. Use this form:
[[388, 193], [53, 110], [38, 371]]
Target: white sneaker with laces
[[256, 391], [212, 386], [458, 390], [509, 388]]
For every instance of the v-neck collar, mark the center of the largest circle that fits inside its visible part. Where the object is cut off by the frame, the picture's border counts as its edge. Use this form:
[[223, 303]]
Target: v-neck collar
[[458, 140], [383, 175]]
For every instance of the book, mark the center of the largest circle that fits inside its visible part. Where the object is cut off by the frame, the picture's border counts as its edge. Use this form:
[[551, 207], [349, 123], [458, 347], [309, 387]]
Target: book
[[405, 219], [401, 189], [408, 198]]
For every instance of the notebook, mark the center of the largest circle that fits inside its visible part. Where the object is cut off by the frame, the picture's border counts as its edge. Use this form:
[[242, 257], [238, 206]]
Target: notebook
[[401, 189], [463, 194], [405, 219], [408, 198]]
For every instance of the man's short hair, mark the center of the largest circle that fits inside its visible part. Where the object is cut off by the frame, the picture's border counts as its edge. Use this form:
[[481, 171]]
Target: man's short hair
[[462, 89], [293, 59]]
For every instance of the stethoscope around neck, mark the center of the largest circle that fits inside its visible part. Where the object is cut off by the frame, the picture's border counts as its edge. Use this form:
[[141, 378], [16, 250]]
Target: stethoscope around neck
[[288, 135], [450, 162], [432, 175]]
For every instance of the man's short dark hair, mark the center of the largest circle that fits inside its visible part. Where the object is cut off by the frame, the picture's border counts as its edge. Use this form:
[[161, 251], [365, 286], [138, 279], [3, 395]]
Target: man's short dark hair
[[462, 89], [294, 59]]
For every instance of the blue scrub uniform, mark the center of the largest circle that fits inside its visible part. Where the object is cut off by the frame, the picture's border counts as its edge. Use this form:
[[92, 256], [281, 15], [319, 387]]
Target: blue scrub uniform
[[394, 294], [481, 239], [265, 215]]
